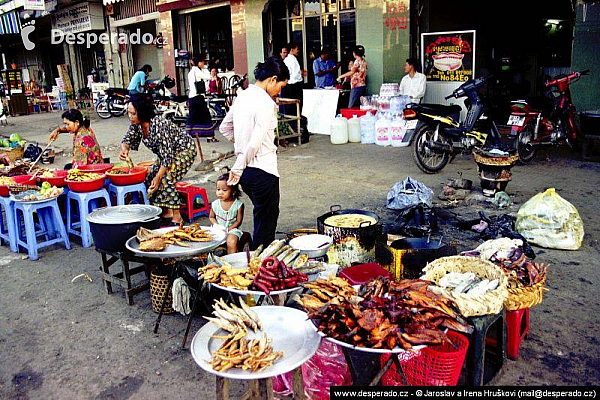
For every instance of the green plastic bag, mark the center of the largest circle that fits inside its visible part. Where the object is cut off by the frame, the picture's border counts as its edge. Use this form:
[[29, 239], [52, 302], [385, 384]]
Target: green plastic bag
[[550, 221]]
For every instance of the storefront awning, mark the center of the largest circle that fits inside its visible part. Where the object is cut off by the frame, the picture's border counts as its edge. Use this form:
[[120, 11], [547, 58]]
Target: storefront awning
[[110, 1], [9, 23]]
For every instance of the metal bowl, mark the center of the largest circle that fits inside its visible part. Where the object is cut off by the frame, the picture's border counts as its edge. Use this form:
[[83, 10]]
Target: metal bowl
[[312, 245]]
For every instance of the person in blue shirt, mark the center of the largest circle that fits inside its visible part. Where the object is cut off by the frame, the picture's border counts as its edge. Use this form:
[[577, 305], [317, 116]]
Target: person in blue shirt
[[137, 84], [324, 70]]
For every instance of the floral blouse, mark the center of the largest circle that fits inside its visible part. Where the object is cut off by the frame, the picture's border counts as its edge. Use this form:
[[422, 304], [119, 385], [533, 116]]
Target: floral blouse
[[86, 149], [359, 78], [165, 139]]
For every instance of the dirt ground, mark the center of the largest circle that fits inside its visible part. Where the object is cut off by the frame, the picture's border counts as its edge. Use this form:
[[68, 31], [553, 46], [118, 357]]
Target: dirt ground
[[63, 339]]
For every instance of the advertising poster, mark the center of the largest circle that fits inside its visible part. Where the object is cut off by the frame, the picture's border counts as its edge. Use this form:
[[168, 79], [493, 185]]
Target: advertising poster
[[448, 56]]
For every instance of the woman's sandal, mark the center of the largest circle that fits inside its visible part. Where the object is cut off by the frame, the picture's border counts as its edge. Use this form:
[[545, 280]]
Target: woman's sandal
[[212, 140]]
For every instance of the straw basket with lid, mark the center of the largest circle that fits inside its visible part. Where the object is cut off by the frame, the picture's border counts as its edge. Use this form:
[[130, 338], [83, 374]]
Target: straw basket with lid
[[470, 305], [521, 297], [494, 171]]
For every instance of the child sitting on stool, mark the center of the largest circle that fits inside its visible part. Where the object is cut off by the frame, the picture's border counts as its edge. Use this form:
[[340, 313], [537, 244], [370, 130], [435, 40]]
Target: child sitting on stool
[[227, 211]]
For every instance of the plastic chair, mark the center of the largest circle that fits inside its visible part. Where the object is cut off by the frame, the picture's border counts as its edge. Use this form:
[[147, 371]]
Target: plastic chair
[[192, 194], [50, 225], [8, 231], [484, 353], [86, 203], [517, 327], [119, 192]]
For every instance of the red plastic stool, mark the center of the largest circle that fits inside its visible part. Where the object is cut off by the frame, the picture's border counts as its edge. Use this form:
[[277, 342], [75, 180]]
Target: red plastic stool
[[517, 326], [191, 194]]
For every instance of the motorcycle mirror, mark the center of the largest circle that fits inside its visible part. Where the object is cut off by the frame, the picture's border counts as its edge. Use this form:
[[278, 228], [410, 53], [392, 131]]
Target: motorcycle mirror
[[585, 72]]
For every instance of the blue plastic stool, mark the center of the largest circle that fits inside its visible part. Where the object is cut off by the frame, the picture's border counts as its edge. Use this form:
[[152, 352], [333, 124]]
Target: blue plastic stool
[[49, 220], [121, 191], [8, 231], [86, 203]]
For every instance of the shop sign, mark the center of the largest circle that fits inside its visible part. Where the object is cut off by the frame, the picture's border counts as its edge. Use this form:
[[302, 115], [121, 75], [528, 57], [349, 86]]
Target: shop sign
[[448, 56], [81, 17], [38, 5], [13, 80], [396, 15]]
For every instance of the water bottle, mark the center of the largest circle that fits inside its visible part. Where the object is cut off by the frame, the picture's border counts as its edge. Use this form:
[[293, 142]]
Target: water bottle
[[354, 133], [367, 128], [397, 129], [339, 130], [382, 129]]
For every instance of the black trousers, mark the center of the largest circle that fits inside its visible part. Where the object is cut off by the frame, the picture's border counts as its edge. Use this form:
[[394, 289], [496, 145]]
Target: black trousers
[[263, 190]]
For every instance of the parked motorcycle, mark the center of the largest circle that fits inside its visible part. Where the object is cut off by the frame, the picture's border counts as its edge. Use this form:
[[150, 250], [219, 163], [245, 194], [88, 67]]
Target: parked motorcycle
[[533, 129], [113, 103], [440, 137]]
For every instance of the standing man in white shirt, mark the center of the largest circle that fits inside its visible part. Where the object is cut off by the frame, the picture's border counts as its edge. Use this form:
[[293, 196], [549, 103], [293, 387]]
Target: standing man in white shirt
[[414, 83], [293, 90], [250, 124]]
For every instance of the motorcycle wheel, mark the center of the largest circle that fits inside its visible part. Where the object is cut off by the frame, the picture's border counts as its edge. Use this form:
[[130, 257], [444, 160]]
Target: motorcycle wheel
[[523, 144], [116, 112], [428, 160], [102, 110]]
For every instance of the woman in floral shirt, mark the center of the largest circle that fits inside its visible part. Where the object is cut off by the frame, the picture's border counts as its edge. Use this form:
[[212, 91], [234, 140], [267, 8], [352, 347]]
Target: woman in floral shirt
[[174, 148], [86, 149], [358, 74]]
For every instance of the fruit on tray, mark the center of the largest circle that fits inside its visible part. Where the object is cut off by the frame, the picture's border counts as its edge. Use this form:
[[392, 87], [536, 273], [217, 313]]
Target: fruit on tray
[[41, 194]]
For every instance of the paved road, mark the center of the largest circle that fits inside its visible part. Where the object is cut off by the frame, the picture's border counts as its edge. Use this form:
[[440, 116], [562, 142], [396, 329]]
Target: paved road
[[60, 339]]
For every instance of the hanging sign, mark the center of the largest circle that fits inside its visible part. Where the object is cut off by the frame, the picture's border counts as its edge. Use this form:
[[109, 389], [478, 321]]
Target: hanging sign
[[80, 17], [35, 5], [448, 56]]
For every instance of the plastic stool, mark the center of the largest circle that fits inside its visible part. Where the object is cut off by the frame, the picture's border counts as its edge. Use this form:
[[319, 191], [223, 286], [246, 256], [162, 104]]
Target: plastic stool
[[49, 219], [8, 231], [479, 350], [192, 193], [517, 327], [86, 203], [121, 191]]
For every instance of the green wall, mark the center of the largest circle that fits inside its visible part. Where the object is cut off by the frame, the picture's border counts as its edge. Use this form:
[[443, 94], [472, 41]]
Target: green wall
[[254, 34], [586, 43]]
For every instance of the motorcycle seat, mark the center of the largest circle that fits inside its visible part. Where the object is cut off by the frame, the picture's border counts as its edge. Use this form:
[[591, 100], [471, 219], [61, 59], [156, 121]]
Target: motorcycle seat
[[440, 109], [179, 99], [120, 91]]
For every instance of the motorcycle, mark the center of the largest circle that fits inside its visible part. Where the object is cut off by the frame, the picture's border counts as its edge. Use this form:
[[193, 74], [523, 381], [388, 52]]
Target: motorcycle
[[113, 103], [533, 129], [440, 137]]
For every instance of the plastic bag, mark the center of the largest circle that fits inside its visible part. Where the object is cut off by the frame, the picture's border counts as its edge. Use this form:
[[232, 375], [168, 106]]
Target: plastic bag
[[550, 221], [326, 368], [409, 193]]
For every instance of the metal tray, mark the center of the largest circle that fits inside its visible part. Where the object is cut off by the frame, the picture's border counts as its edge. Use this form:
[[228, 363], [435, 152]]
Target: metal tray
[[240, 260], [289, 328], [174, 251], [34, 201]]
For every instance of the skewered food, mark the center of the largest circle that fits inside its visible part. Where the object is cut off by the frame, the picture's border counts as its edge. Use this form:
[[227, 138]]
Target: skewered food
[[236, 351], [275, 275]]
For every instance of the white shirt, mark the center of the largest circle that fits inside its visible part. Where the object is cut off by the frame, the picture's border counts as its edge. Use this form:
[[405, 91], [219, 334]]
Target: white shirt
[[197, 74], [413, 87], [295, 72], [251, 121]]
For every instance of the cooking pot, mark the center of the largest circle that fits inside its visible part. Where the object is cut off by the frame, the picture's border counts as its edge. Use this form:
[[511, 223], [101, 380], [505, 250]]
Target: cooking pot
[[411, 255], [350, 245], [111, 227]]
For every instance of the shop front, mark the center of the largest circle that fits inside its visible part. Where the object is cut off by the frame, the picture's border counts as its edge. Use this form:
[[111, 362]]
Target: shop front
[[140, 23]]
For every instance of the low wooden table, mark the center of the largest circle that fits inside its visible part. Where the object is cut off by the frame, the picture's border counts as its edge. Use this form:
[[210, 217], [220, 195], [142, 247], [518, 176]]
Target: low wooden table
[[123, 278]]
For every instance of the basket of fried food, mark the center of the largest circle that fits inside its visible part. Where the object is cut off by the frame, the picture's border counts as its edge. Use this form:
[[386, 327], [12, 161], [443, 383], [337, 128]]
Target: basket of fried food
[[526, 279], [478, 287]]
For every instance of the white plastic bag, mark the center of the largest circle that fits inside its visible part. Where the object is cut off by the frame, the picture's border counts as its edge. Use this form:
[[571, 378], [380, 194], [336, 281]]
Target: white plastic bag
[[550, 221]]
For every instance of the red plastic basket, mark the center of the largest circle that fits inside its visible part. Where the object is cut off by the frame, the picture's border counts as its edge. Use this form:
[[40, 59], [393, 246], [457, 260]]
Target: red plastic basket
[[98, 168], [136, 175], [57, 180], [363, 273], [434, 366], [87, 186], [19, 180]]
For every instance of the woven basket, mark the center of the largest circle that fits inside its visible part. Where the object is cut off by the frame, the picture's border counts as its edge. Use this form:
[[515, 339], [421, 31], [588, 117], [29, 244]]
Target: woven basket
[[510, 160], [158, 288], [15, 153], [470, 306], [521, 297]]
